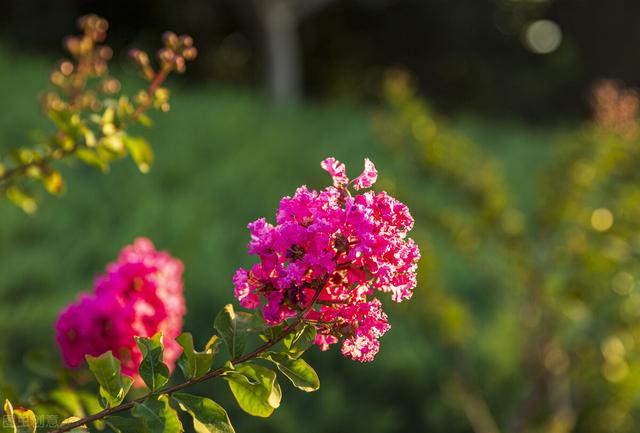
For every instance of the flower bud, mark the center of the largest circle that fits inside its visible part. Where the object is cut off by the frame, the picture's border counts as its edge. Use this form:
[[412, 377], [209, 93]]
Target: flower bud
[[171, 40]]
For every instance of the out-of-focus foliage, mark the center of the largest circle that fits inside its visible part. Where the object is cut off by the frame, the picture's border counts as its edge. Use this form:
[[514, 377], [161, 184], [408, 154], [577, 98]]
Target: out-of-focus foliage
[[559, 350], [90, 117]]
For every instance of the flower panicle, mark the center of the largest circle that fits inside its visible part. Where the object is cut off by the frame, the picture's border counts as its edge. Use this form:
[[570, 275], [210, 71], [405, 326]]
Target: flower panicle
[[349, 247]]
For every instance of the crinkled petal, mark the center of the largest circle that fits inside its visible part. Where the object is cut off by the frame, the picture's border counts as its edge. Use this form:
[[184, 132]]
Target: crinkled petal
[[368, 176], [337, 170]]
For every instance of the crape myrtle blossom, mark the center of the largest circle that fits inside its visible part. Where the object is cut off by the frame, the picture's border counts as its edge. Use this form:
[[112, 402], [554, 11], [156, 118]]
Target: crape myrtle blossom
[[139, 295], [348, 247]]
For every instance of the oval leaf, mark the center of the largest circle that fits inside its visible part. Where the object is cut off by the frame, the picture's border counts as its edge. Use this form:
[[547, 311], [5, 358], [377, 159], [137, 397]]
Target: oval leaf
[[113, 385], [301, 374], [152, 370], [140, 151], [157, 416], [255, 389], [298, 342], [208, 416], [233, 327], [192, 363]]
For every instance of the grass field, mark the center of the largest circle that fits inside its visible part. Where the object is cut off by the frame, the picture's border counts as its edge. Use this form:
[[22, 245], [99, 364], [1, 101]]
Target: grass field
[[224, 157]]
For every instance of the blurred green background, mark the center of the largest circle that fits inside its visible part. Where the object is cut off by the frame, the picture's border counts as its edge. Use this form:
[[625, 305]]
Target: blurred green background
[[526, 314]]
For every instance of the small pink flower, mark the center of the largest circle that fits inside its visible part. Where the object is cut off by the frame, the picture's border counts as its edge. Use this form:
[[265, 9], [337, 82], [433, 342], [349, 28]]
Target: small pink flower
[[337, 170], [243, 290], [325, 341], [368, 176]]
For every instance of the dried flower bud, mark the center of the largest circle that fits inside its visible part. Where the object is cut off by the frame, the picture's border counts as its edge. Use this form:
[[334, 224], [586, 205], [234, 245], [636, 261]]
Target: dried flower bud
[[100, 67], [142, 98], [66, 67], [179, 64], [85, 45], [190, 53], [139, 56], [110, 85], [94, 27], [57, 78], [166, 56], [186, 41], [72, 45], [105, 52], [171, 40]]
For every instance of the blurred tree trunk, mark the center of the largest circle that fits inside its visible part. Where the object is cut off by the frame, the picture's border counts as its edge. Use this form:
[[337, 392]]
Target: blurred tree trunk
[[281, 49], [274, 27]]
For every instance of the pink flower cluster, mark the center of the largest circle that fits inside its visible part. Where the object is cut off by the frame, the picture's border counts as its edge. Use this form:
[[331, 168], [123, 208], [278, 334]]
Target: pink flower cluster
[[347, 247], [140, 295]]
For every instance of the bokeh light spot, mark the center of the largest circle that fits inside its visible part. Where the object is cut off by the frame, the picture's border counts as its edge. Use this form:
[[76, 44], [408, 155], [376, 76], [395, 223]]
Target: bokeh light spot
[[543, 36], [601, 219], [622, 283]]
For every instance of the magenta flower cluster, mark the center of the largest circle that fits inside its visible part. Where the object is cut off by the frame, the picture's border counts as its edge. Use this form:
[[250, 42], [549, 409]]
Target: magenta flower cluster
[[139, 295], [346, 246]]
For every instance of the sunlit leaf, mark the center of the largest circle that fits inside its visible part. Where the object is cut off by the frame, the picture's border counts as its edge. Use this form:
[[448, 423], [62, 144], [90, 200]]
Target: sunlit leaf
[[53, 182], [19, 419], [157, 415], [152, 370], [92, 157], [140, 151], [20, 198], [113, 385], [298, 342], [301, 374], [193, 364], [208, 416], [233, 327], [80, 429], [255, 389]]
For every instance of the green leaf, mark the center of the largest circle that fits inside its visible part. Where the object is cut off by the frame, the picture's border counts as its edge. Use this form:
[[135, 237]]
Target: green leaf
[[192, 363], [297, 343], [19, 419], [152, 370], [91, 157], [233, 328], [255, 389], [81, 429], [53, 182], [208, 416], [157, 415], [64, 121], [121, 424], [140, 151], [301, 374], [145, 120], [113, 385], [22, 199]]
